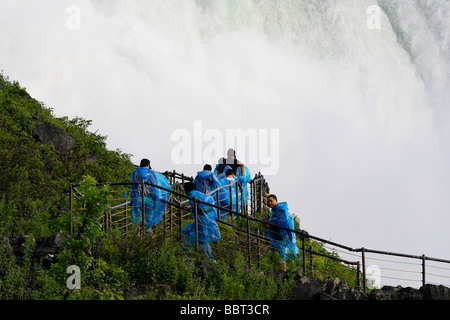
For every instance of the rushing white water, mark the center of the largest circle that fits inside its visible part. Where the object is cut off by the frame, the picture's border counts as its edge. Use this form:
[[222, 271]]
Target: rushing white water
[[363, 113]]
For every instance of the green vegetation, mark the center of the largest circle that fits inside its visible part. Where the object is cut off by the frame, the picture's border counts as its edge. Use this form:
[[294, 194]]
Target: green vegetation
[[35, 175], [34, 203]]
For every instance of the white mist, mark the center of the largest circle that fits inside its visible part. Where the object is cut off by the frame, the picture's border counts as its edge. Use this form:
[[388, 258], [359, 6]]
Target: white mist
[[362, 113]]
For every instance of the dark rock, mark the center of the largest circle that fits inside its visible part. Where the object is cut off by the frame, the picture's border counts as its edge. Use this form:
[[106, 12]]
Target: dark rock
[[49, 133], [385, 293], [410, 294], [307, 289], [432, 292], [298, 274], [335, 286], [336, 289], [45, 249], [48, 248]]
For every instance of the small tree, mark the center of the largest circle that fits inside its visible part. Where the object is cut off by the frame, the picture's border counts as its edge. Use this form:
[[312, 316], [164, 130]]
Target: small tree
[[86, 229]]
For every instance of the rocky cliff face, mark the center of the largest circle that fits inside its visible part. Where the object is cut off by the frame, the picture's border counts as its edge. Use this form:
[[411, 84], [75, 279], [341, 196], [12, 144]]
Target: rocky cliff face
[[335, 289], [45, 250]]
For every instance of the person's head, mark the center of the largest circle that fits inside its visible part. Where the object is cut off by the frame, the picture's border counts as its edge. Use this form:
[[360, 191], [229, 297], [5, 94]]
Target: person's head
[[188, 187], [207, 167], [231, 153], [145, 163], [272, 201], [229, 173]]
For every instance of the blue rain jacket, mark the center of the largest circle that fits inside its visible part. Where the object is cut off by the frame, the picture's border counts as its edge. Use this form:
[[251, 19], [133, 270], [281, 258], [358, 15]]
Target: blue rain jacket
[[224, 197], [208, 230], [222, 175], [246, 180], [206, 181], [155, 199], [284, 241]]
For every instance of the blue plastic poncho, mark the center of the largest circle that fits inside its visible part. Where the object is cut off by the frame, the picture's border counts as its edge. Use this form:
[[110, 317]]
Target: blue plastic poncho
[[208, 231], [284, 241], [225, 199], [246, 180], [155, 199], [223, 175], [206, 181], [216, 168]]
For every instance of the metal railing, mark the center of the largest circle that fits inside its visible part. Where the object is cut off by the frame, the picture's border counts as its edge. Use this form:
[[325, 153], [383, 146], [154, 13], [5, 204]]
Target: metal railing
[[245, 233]]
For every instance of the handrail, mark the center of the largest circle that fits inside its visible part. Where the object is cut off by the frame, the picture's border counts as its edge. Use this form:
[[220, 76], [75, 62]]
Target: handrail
[[302, 233], [224, 186], [401, 255]]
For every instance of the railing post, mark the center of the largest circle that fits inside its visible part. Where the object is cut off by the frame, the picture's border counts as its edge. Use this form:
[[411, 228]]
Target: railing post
[[171, 221], [243, 203], [236, 185], [250, 193], [231, 198], [261, 195], [423, 269], [180, 222], [165, 222], [196, 222], [358, 275], [311, 259], [259, 248], [363, 268], [248, 242], [304, 251], [254, 198], [71, 208], [143, 204], [126, 219]]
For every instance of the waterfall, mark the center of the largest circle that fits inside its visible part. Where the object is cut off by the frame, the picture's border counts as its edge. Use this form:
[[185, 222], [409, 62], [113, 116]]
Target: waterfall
[[362, 112]]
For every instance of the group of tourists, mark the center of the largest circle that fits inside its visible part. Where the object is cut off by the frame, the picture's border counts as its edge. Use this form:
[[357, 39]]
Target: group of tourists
[[217, 187]]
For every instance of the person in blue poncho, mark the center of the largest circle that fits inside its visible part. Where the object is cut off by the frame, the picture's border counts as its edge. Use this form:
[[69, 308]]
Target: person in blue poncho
[[283, 241], [223, 174], [224, 195], [208, 230], [239, 170], [231, 161], [206, 181], [246, 178], [155, 199]]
